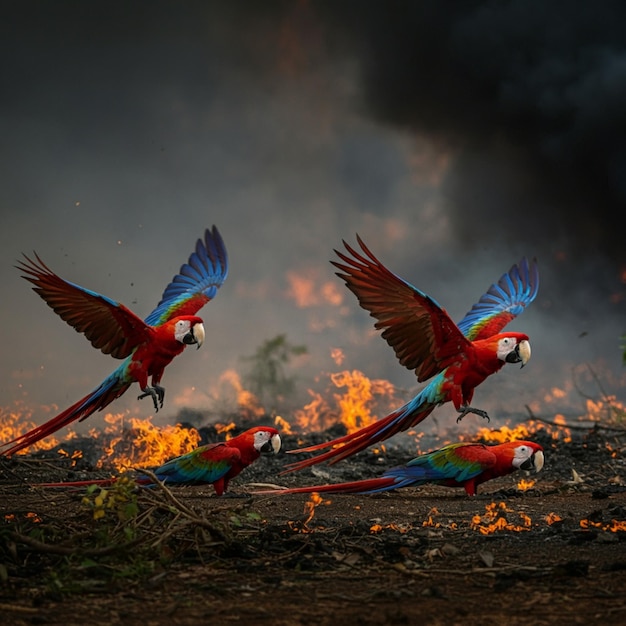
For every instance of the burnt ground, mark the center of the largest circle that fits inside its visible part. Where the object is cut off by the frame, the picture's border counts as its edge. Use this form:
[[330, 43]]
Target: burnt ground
[[554, 553]]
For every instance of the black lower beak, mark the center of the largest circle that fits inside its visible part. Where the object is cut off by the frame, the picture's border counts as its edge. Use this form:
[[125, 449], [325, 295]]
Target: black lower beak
[[528, 464], [267, 448], [189, 339], [513, 356]]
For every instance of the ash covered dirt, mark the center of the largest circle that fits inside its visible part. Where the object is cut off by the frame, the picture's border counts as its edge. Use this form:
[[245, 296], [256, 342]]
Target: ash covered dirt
[[553, 553]]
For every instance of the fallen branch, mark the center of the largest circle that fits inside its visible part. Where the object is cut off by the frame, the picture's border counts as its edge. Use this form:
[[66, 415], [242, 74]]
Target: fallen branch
[[41, 546], [595, 427]]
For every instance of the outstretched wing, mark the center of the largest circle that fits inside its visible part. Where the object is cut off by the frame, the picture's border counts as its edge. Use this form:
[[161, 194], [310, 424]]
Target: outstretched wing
[[197, 281], [108, 325], [203, 465], [457, 462], [503, 302], [420, 331]]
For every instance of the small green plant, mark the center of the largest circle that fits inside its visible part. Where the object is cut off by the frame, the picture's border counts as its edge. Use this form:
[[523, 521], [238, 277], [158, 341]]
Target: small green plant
[[119, 499]]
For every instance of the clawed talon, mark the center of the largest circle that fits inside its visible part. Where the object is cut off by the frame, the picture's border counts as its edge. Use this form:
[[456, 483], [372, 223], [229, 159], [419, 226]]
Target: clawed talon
[[468, 409], [157, 393]]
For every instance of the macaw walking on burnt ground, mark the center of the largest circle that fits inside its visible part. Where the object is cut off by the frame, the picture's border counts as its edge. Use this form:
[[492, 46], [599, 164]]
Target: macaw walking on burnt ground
[[212, 464], [466, 465], [147, 347], [458, 358]]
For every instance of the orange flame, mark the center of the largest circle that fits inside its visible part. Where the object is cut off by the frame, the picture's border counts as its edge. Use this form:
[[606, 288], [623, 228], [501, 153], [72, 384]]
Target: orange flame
[[495, 519], [337, 355], [248, 405], [354, 406], [283, 425], [309, 510], [553, 518], [613, 526], [147, 446], [306, 291], [18, 421], [525, 485]]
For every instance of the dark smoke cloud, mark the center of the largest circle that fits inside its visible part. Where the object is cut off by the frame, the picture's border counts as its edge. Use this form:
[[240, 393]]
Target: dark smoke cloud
[[529, 96]]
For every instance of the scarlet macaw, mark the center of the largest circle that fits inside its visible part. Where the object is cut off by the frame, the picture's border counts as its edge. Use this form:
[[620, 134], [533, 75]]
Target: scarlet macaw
[[212, 464], [425, 339], [147, 347], [464, 465]]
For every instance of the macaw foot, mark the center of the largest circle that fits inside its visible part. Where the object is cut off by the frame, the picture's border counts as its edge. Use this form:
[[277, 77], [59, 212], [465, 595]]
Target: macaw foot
[[463, 411], [157, 393]]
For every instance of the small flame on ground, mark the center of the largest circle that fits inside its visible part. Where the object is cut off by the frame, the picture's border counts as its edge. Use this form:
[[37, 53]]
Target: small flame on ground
[[495, 519], [553, 518], [400, 528], [613, 526], [525, 485], [309, 510]]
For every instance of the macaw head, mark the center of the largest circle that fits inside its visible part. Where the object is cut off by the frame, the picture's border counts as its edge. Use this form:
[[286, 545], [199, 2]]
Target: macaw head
[[266, 440], [524, 455], [189, 330], [513, 348]]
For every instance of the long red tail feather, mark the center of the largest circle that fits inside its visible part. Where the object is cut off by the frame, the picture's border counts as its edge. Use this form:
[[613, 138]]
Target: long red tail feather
[[350, 444], [90, 404]]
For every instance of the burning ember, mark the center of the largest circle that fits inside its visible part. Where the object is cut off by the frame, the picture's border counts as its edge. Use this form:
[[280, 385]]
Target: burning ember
[[496, 518], [613, 526]]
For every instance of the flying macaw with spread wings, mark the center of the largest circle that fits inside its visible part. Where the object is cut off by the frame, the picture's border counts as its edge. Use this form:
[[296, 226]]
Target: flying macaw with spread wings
[[147, 347], [466, 465], [212, 464], [458, 358]]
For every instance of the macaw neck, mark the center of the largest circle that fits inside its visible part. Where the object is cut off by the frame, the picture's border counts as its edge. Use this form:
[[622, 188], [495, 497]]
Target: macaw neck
[[245, 444]]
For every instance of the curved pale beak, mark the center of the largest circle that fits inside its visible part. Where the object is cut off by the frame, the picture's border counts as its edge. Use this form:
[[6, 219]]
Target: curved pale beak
[[272, 446], [195, 335], [535, 462], [521, 353], [524, 351], [276, 442]]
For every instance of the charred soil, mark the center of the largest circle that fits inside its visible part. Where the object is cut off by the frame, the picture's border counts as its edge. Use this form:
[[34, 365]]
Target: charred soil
[[551, 553]]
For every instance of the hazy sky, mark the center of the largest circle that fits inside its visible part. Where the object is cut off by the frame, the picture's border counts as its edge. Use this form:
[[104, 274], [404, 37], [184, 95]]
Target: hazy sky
[[453, 138]]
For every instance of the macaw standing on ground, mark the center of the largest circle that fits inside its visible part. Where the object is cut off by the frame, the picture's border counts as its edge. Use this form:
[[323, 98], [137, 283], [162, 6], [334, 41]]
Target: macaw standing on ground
[[464, 465], [147, 347], [212, 464], [426, 340]]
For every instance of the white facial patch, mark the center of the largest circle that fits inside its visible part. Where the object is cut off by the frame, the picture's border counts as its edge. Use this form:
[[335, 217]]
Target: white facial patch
[[524, 453], [505, 346], [261, 438], [181, 329]]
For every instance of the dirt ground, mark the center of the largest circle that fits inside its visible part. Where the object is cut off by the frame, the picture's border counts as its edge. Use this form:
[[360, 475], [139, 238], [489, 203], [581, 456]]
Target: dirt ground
[[552, 553]]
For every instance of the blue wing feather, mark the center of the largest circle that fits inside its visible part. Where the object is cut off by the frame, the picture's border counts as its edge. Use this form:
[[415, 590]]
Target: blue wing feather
[[197, 281], [502, 302]]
